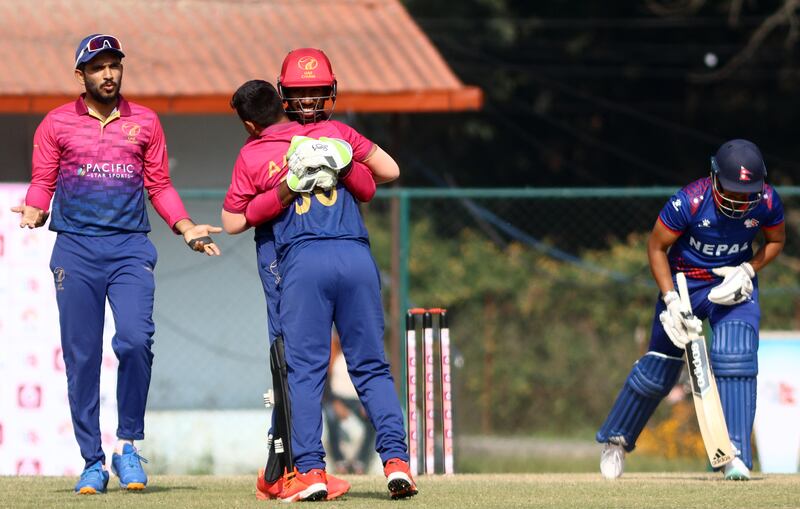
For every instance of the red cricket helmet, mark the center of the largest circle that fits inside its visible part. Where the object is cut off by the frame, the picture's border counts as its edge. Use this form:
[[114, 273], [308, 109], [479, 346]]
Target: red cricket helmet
[[307, 68]]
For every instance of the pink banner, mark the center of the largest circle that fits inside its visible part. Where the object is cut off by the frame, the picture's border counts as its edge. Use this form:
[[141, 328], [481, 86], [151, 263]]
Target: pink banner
[[36, 436]]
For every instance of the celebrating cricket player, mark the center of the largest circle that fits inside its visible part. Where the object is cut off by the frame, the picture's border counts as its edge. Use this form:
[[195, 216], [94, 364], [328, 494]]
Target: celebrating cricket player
[[307, 87], [99, 154], [306, 203], [706, 230]]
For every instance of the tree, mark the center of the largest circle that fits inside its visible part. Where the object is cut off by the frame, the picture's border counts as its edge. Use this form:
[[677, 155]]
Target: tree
[[604, 93]]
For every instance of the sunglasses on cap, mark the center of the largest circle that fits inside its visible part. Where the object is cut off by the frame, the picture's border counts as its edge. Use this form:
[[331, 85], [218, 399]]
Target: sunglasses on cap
[[97, 43]]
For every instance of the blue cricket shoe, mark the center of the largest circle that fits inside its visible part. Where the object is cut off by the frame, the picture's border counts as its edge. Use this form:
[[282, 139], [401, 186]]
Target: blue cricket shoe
[[128, 467], [93, 480]]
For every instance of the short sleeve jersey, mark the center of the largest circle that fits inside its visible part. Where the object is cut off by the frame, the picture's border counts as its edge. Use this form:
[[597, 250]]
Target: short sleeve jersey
[[261, 166], [708, 238], [100, 168]]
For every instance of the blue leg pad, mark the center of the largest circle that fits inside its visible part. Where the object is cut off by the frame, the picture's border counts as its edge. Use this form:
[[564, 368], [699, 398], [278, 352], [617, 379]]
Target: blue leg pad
[[651, 378], [734, 359], [738, 397], [734, 349]]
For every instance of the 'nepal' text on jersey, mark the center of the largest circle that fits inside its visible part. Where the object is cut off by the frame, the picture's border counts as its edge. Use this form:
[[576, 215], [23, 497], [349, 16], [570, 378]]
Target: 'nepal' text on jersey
[[708, 238]]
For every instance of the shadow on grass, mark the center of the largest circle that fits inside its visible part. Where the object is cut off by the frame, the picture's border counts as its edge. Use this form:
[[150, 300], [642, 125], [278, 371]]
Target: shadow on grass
[[370, 495], [134, 493], [159, 489], [704, 477]]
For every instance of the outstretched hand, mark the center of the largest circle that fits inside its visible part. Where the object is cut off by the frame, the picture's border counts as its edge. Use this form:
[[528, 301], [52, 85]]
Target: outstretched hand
[[32, 217], [198, 238]]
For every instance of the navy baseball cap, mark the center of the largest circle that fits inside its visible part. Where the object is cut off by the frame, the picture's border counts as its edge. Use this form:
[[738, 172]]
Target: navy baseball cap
[[740, 167], [93, 45]]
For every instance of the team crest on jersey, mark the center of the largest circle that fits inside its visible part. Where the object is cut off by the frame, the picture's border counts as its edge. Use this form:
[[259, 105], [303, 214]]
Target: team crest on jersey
[[131, 130], [744, 174], [59, 274], [676, 204], [705, 223], [751, 223]]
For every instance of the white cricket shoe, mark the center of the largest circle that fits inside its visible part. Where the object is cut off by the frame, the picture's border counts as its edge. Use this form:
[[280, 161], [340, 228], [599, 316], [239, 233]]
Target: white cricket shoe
[[736, 470], [612, 460]]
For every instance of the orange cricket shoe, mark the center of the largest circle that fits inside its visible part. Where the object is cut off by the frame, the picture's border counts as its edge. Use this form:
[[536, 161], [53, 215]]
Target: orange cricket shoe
[[399, 480], [336, 487], [268, 490], [308, 486]]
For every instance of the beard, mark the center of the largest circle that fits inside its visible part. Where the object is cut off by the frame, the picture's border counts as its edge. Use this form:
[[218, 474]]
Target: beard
[[101, 96]]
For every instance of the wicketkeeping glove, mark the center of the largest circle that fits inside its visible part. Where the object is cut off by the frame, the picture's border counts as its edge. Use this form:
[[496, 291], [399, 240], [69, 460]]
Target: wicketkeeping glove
[[677, 324], [322, 177], [736, 287], [305, 153]]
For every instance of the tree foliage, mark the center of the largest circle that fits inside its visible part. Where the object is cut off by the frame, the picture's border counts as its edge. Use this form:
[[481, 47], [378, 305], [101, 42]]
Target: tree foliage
[[639, 92], [545, 345]]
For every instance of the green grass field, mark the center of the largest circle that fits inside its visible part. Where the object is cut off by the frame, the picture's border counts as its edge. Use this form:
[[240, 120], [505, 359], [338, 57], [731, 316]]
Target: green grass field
[[637, 490]]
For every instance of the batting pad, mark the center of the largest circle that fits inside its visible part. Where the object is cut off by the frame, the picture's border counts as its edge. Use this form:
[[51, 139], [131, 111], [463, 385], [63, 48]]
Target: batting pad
[[734, 358], [651, 378], [734, 349]]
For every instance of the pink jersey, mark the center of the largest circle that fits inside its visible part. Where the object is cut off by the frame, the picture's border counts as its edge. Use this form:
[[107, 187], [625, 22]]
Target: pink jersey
[[261, 165], [99, 170]]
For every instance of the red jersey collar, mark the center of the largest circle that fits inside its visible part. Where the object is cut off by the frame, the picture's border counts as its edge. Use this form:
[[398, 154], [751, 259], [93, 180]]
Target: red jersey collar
[[123, 106]]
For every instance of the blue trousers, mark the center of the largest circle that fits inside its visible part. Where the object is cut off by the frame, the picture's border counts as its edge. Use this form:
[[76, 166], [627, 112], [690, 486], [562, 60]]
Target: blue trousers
[[86, 270], [268, 273], [323, 283]]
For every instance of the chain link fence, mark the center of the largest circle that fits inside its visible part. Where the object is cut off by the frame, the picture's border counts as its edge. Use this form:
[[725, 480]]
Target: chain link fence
[[549, 295]]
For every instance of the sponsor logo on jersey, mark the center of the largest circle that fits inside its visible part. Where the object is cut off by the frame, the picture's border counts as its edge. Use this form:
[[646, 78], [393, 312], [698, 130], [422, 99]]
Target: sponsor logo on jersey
[[717, 249], [107, 170], [751, 223], [676, 204], [705, 223], [744, 174]]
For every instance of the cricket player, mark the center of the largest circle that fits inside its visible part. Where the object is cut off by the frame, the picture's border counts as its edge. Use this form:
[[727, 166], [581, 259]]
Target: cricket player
[[98, 155], [325, 274], [307, 86], [706, 230]]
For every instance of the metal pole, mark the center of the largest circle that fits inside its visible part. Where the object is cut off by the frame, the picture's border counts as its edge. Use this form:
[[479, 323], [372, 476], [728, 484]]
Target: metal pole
[[404, 242]]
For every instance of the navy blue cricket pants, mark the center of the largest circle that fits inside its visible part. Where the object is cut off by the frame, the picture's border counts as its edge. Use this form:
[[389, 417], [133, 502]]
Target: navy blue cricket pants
[[327, 282], [86, 270]]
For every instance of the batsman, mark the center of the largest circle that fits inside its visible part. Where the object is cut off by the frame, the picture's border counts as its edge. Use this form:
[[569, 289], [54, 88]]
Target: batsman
[[706, 230]]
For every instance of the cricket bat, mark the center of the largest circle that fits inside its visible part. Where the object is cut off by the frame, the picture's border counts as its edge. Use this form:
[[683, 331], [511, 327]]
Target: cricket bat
[[707, 404]]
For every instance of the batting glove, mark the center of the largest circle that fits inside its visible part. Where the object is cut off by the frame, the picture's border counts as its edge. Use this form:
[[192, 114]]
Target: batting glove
[[680, 326], [736, 286]]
